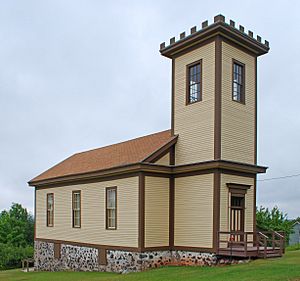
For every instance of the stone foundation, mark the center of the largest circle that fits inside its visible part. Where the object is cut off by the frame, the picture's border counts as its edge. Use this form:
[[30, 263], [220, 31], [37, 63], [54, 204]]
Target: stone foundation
[[77, 258]]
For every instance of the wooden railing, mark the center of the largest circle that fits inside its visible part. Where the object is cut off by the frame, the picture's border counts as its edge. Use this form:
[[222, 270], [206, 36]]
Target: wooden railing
[[251, 243], [270, 240], [233, 241], [26, 263]]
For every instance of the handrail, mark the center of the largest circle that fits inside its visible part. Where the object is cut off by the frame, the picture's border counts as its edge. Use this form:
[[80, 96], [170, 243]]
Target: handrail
[[278, 234], [260, 233]]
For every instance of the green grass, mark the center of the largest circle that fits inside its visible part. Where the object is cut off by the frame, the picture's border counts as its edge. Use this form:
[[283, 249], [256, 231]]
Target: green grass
[[281, 269], [294, 247]]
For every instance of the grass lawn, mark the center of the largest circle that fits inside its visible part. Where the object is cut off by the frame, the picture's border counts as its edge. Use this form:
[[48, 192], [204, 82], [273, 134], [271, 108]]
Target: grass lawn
[[283, 269]]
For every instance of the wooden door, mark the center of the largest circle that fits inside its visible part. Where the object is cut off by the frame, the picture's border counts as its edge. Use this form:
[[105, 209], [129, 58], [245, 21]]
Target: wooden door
[[237, 216]]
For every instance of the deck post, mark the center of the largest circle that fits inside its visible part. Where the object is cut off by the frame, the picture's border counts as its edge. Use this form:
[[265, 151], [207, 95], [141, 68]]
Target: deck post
[[218, 243], [257, 242], [281, 245], [265, 247], [245, 243]]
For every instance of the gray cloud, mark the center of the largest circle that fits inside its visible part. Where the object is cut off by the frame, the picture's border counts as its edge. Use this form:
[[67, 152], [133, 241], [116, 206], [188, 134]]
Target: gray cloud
[[75, 75]]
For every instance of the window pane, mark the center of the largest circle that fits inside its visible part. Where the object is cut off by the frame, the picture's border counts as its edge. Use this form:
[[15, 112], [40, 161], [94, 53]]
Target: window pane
[[50, 201], [76, 201], [76, 218], [194, 83], [236, 201], [111, 217], [111, 202]]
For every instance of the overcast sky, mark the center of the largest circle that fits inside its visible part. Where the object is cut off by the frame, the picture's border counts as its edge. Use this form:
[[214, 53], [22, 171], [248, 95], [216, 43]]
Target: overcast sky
[[76, 75]]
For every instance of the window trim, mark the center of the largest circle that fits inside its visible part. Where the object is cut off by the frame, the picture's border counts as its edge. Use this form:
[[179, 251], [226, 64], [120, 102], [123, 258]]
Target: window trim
[[73, 216], [243, 98], [187, 95], [47, 217], [116, 208]]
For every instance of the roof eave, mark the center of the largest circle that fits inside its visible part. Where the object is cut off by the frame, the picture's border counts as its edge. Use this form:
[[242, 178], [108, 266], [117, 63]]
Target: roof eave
[[154, 168], [119, 170]]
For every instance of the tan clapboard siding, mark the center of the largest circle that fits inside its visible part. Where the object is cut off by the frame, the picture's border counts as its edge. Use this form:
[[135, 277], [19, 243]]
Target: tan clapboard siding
[[195, 123], [194, 211], [224, 201], [92, 215], [165, 160], [156, 212], [238, 120]]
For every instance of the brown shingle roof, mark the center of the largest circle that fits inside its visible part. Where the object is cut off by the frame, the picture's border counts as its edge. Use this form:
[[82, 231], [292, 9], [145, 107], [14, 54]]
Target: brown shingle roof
[[128, 152]]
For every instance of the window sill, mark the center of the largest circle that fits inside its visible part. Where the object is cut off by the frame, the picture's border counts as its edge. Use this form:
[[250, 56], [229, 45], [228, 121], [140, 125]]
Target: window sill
[[240, 102], [190, 103]]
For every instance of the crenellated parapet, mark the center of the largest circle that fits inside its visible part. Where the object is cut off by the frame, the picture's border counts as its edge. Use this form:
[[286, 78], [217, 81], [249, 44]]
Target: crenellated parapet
[[219, 26]]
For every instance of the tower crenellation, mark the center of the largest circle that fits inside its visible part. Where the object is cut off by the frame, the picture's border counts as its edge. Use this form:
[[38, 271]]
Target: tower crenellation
[[218, 19]]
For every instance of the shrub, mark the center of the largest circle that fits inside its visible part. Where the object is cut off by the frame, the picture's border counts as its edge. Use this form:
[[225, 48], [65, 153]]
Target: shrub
[[11, 256]]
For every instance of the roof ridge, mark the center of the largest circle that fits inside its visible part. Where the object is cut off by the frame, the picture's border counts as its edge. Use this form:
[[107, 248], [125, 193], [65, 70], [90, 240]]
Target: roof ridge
[[122, 142]]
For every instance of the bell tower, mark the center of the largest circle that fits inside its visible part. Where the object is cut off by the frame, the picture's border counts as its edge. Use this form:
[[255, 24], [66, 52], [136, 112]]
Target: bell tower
[[214, 114]]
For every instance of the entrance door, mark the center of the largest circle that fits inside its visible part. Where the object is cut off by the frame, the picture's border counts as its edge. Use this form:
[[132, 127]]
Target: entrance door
[[237, 216]]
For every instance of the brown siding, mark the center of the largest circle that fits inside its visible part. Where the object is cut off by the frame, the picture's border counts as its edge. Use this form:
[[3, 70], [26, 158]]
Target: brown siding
[[195, 122], [92, 214], [194, 211], [224, 201], [238, 119], [156, 212]]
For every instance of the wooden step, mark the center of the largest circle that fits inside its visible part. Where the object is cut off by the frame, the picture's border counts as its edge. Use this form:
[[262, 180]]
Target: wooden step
[[270, 254], [275, 255]]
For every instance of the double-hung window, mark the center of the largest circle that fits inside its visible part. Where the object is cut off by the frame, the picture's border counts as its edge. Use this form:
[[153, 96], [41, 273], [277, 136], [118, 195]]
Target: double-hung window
[[50, 209], [194, 82], [76, 208], [238, 82], [111, 208]]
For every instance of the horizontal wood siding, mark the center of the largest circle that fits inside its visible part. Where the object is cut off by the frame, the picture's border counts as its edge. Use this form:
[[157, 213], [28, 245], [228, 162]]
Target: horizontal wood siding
[[238, 120], [194, 211], [195, 122], [165, 160], [225, 203], [92, 214], [156, 212]]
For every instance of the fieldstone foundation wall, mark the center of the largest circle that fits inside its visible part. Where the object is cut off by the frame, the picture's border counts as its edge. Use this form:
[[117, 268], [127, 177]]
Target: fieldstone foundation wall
[[71, 258], [77, 258]]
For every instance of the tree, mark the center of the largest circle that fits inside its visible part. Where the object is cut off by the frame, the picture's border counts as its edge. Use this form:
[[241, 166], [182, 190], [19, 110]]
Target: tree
[[16, 226], [16, 236], [274, 220]]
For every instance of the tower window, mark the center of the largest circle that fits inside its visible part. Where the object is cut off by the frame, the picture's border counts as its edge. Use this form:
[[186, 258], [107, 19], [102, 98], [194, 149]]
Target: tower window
[[238, 82], [194, 82]]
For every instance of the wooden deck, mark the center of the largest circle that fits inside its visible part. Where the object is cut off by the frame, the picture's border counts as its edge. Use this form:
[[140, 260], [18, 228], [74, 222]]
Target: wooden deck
[[250, 244]]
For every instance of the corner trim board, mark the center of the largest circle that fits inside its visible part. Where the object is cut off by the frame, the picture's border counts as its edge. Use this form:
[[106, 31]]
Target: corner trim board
[[216, 209], [218, 98], [141, 236]]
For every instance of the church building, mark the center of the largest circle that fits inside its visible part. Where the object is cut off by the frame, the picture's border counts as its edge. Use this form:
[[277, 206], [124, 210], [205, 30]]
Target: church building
[[184, 196]]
